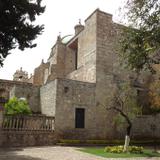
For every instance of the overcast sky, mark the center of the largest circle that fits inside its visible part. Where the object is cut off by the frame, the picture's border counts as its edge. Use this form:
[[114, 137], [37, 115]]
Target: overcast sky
[[60, 16]]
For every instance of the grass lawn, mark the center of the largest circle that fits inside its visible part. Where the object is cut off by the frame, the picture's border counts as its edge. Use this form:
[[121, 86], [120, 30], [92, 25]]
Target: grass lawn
[[99, 151]]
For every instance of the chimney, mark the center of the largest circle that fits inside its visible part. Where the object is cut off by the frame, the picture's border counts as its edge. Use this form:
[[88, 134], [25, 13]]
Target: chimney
[[78, 28]]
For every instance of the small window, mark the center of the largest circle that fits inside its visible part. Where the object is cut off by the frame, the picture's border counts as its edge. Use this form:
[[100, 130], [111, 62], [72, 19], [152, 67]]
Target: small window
[[79, 118], [76, 59], [74, 47]]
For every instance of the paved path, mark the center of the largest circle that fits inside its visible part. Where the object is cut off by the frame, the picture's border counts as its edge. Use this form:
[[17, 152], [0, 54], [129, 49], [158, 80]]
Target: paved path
[[52, 153]]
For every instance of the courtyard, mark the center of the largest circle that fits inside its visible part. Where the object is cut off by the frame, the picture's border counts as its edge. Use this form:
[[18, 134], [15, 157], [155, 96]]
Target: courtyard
[[53, 153]]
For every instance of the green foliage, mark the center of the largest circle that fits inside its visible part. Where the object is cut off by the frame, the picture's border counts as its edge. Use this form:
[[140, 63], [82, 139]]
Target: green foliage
[[139, 47], [125, 98], [16, 25], [119, 149], [99, 151], [154, 95], [135, 50], [128, 96], [106, 142], [114, 149], [16, 106]]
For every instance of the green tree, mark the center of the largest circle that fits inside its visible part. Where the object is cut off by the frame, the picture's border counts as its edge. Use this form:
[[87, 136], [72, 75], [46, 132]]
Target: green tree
[[140, 46], [124, 102], [154, 97], [140, 43], [17, 106], [16, 25]]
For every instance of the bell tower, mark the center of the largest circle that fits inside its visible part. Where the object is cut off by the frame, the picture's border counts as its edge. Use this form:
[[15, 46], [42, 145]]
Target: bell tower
[[20, 75]]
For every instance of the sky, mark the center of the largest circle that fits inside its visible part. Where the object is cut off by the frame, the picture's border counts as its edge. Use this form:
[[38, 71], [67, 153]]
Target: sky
[[60, 17]]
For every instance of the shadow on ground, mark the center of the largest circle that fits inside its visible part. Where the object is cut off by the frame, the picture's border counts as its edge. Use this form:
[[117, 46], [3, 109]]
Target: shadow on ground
[[11, 154]]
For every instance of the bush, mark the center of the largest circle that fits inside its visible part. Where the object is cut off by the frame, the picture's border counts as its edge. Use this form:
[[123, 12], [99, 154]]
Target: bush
[[119, 149], [17, 106], [135, 149], [114, 149]]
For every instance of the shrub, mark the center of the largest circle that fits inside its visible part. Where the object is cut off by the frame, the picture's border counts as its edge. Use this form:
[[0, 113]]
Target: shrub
[[114, 149], [17, 106], [119, 149], [135, 149]]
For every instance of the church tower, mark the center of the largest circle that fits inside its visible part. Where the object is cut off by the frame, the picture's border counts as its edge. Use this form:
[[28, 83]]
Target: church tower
[[20, 75]]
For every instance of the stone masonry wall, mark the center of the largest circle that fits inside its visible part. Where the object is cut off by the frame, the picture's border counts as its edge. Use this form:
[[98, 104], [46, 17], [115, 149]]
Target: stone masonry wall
[[108, 70], [30, 92], [26, 139], [86, 70], [7, 85], [39, 74], [69, 60], [71, 95], [142, 127], [48, 98], [57, 62]]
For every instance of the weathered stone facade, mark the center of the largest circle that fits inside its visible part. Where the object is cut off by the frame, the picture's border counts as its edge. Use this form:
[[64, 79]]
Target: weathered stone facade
[[30, 93], [80, 74], [26, 139], [21, 76]]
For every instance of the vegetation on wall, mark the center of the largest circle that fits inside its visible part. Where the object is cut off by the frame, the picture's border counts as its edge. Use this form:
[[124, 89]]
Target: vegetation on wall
[[17, 106]]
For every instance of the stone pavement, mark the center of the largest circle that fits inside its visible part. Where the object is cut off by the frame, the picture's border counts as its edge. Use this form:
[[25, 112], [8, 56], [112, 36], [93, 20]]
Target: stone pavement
[[52, 153]]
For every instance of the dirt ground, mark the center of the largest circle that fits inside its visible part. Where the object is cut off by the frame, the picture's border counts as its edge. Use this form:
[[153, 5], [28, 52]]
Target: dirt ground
[[52, 153]]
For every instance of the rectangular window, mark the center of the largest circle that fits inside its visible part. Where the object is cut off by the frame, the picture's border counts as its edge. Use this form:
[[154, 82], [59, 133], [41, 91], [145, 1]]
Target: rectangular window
[[76, 60], [80, 118]]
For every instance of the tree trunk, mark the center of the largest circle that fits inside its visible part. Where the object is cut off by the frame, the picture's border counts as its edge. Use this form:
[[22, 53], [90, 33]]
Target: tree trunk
[[126, 145], [127, 138], [126, 117]]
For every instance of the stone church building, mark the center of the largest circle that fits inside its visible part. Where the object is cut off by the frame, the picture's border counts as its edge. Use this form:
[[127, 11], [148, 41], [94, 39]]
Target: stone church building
[[76, 79]]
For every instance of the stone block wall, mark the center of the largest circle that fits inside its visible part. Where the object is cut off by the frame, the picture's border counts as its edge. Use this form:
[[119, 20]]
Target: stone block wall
[[71, 95], [57, 62], [69, 60], [39, 74], [7, 85], [48, 97], [26, 139], [30, 92], [143, 127], [108, 70], [86, 47]]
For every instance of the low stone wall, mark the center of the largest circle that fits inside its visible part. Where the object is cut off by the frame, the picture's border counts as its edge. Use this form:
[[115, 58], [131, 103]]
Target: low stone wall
[[24, 131], [146, 127], [142, 129], [25, 139]]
